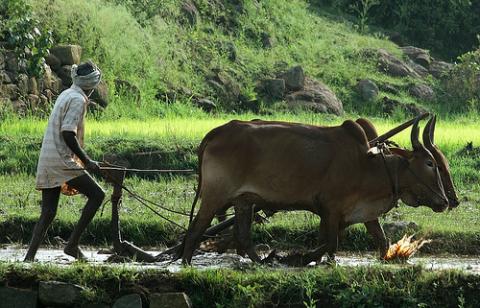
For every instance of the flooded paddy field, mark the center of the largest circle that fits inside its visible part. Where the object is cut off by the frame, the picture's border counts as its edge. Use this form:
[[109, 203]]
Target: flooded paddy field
[[212, 260]]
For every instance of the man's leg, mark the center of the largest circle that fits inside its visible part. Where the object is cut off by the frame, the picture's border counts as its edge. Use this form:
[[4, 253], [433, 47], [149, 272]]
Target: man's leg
[[50, 198], [86, 185]]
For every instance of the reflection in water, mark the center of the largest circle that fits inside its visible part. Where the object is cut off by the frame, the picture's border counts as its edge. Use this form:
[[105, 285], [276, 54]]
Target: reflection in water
[[214, 260]]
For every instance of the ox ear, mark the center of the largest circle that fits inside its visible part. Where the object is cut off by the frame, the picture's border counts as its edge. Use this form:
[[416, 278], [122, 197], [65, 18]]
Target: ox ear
[[402, 152]]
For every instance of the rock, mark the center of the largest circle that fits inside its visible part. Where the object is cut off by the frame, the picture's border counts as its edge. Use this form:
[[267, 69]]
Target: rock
[[128, 88], [418, 55], [100, 94], [65, 74], [390, 105], [390, 88], [67, 54], [206, 104], [22, 83], [226, 87], [32, 85], [420, 70], [56, 84], [44, 102], [33, 101], [294, 78], [167, 300], [267, 40], [317, 97], [367, 89], [128, 301], [53, 62], [4, 77], [2, 61], [55, 293], [19, 106], [439, 68], [422, 91], [11, 62], [393, 66], [274, 88], [400, 227], [17, 298], [190, 11], [9, 91]]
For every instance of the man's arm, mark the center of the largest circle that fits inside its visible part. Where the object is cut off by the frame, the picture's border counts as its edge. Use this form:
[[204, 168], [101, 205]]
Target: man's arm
[[72, 142]]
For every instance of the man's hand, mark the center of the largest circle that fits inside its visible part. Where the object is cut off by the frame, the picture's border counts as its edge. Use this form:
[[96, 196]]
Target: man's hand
[[92, 166]]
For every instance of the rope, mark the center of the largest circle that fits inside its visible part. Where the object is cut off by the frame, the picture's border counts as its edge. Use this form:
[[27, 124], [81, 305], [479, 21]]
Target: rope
[[139, 170]]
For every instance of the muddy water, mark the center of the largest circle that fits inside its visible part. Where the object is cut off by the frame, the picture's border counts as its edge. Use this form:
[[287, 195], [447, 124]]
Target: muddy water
[[213, 260]]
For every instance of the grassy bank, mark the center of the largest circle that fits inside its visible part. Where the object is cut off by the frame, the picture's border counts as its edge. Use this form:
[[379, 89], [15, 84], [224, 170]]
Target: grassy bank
[[386, 286], [456, 231]]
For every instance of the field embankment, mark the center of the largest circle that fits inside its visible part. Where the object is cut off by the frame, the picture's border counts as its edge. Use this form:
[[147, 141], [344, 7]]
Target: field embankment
[[385, 286]]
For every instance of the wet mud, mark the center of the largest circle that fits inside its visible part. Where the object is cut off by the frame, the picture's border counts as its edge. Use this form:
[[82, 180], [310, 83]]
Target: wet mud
[[213, 260]]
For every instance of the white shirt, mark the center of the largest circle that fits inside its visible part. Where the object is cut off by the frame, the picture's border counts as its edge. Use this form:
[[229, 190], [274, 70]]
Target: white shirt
[[68, 114]]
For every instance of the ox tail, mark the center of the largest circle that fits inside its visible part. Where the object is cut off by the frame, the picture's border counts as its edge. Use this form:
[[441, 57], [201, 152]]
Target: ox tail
[[201, 150]]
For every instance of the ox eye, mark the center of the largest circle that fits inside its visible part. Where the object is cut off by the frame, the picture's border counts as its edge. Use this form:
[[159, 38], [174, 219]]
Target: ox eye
[[429, 163]]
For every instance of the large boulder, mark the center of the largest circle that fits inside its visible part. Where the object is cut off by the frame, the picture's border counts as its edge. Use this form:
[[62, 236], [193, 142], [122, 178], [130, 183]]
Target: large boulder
[[315, 96], [422, 91], [367, 89], [22, 83], [171, 299], [440, 68], [67, 54], [32, 85], [272, 88], [55, 293], [17, 298], [294, 78], [53, 62], [393, 66], [418, 55], [11, 62]]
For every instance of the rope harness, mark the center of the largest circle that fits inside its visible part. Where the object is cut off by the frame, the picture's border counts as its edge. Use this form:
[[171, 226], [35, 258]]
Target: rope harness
[[383, 148]]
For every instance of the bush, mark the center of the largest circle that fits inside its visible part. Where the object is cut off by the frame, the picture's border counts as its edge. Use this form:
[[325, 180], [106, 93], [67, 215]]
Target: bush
[[461, 88], [447, 27], [22, 34]]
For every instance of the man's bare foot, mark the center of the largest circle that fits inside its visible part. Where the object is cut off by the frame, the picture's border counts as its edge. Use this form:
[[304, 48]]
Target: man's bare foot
[[75, 252]]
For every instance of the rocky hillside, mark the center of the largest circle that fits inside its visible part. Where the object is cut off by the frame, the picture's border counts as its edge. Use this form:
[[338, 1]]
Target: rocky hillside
[[259, 56]]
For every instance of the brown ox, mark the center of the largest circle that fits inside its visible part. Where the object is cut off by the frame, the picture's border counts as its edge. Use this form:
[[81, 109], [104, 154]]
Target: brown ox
[[326, 170]]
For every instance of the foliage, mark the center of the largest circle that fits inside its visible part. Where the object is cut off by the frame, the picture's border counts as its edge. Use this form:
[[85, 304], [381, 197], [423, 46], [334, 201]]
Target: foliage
[[461, 87], [447, 27], [21, 31], [362, 9]]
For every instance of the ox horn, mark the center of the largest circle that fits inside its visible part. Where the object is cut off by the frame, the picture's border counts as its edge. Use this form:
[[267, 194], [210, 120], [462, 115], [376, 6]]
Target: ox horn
[[428, 133], [396, 130], [414, 135]]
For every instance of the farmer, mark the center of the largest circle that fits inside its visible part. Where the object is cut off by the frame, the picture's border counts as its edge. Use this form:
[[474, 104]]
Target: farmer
[[61, 157]]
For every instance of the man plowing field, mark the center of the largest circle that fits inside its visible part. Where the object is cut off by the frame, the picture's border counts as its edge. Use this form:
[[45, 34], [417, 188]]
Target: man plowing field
[[62, 157]]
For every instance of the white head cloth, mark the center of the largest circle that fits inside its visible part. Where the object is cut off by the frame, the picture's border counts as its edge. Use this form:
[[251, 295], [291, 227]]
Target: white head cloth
[[86, 82]]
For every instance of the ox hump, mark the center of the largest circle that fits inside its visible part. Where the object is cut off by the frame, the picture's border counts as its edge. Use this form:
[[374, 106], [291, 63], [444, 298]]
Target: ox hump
[[356, 131]]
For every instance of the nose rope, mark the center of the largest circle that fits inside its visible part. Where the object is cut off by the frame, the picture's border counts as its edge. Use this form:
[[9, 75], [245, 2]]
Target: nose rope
[[425, 184]]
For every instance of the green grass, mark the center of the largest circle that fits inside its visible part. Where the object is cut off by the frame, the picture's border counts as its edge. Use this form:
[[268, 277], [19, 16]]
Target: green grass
[[376, 286], [456, 231], [150, 44]]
